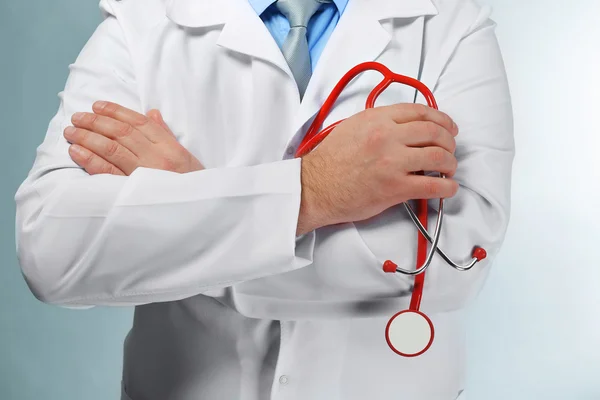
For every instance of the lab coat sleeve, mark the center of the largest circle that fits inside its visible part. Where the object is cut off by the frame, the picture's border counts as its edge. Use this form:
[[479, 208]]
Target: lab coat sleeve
[[472, 88], [153, 236]]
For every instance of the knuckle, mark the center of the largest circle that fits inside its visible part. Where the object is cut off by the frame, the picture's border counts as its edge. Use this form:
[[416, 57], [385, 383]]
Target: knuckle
[[112, 148], [377, 137], [367, 117], [413, 159], [88, 158], [401, 106], [385, 165], [454, 165], [436, 155], [420, 110], [82, 135], [168, 164], [370, 113], [433, 130], [431, 187], [89, 119], [454, 188], [450, 188], [387, 182], [124, 130], [139, 121], [452, 144], [448, 120], [106, 169], [364, 114]]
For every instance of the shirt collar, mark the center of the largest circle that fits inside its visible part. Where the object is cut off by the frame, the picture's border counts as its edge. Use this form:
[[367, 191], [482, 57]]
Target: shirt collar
[[261, 5]]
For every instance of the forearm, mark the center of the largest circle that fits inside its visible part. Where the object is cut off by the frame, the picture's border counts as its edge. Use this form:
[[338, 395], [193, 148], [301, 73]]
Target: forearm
[[472, 89], [156, 235]]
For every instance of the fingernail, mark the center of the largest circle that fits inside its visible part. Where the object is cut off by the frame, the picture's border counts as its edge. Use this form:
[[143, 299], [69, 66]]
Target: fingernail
[[77, 116], [69, 131], [100, 105], [455, 127]]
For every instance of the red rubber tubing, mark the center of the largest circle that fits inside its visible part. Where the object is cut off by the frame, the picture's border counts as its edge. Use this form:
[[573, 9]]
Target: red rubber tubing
[[313, 137]]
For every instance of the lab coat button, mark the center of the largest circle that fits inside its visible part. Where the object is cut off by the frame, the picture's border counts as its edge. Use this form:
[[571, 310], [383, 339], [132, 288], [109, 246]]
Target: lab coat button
[[283, 379], [290, 150]]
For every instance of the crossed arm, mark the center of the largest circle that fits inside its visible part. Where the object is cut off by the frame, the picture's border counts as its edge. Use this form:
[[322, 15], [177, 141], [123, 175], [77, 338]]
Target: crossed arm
[[75, 219]]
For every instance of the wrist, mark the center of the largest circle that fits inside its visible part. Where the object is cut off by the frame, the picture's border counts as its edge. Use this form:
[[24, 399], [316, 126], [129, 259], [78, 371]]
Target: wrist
[[312, 214]]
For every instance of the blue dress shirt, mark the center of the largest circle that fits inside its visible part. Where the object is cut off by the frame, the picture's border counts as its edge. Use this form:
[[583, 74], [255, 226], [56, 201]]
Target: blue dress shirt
[[319, 28]]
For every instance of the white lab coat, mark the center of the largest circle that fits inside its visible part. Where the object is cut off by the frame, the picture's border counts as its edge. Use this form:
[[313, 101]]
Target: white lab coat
[[230, 304]]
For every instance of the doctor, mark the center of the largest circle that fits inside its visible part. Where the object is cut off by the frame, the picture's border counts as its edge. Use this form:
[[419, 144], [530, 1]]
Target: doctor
[[257, 275]]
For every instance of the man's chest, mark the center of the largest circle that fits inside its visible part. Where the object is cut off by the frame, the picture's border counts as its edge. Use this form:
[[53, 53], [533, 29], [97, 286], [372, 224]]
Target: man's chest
[[240, 106]]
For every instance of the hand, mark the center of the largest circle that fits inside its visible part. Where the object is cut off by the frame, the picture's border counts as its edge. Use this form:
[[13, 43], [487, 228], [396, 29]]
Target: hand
[[367, 165], [116, 140]]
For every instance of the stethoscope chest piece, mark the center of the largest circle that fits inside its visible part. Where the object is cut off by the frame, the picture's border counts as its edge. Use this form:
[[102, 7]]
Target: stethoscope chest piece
[[409, 333]]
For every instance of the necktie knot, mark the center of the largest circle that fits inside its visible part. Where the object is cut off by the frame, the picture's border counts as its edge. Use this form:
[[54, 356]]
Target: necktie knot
[[298, 12]]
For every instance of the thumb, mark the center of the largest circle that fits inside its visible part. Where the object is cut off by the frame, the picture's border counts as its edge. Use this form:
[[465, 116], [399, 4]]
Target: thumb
[[156, 116]]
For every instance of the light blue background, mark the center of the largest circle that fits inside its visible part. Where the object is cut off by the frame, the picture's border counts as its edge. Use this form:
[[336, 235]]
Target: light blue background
[[46, 353], [534, 332]]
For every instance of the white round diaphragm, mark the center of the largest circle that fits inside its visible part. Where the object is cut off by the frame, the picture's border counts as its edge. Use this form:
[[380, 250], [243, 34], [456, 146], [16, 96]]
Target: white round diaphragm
[[409, 333]]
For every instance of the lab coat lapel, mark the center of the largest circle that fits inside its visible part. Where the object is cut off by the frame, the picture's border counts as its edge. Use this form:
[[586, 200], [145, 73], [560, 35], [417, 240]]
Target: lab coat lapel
[[364, 31], [243, 31]]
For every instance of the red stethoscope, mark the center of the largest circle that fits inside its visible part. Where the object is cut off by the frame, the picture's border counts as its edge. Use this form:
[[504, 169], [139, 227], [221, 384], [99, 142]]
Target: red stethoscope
[[409, 333]]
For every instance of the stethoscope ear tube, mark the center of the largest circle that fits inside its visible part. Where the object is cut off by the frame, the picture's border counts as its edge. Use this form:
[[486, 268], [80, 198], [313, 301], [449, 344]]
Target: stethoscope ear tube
[[478, 252]]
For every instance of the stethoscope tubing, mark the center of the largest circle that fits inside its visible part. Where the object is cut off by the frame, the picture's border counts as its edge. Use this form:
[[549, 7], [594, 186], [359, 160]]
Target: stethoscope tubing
[[420, 218], [314, 137]]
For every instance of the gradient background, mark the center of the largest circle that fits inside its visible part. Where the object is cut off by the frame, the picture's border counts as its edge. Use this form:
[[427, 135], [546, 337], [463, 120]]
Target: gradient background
[[534, 332]]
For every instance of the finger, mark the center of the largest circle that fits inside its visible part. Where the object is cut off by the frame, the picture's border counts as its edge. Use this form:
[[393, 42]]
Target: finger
[[120, 113], [428, 187], [432, 159], [125, 115], [426, 133], [407, 112], [90, 162], [121, 132], [156, 116], [108, 149]]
